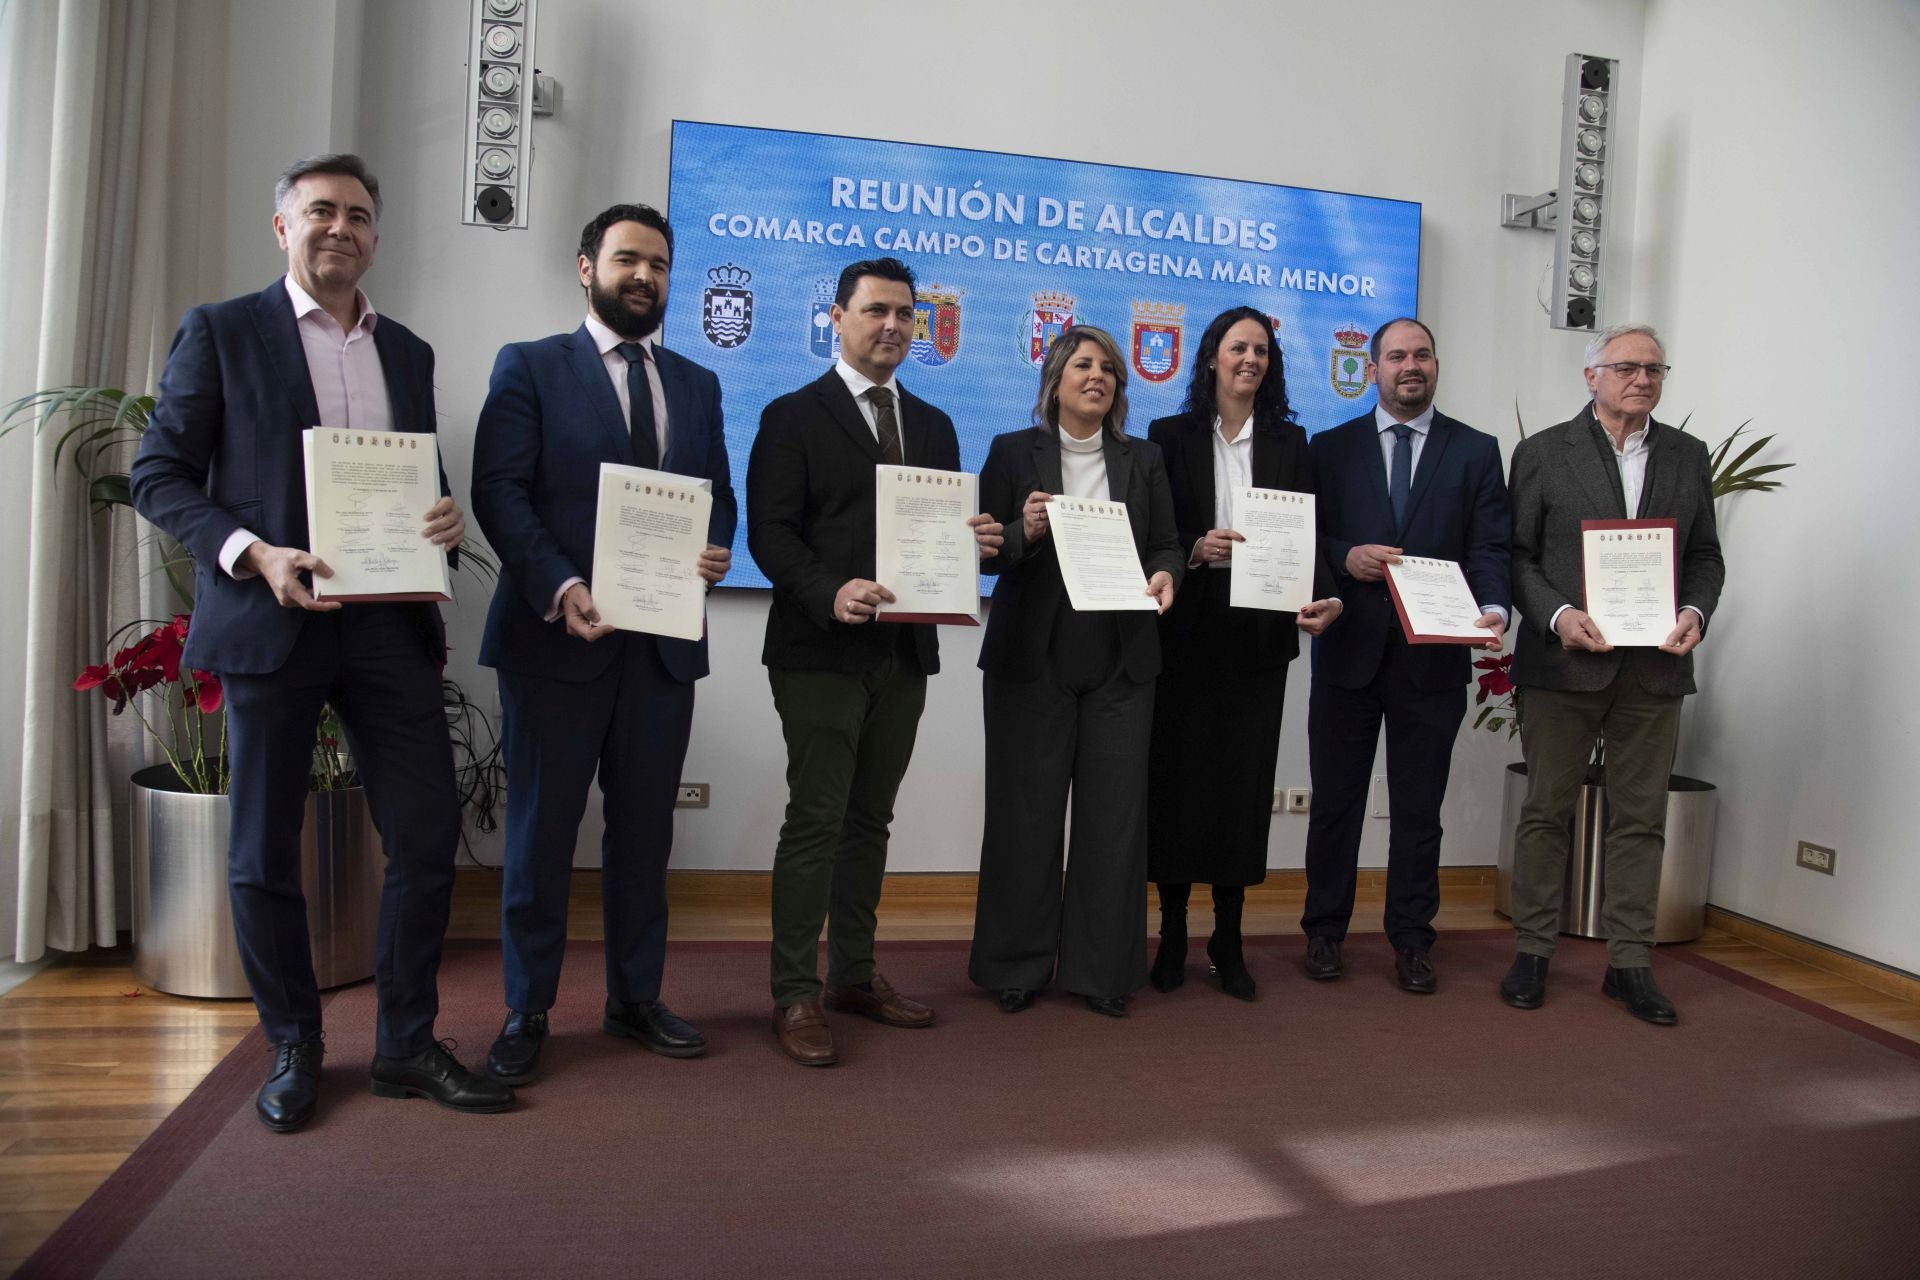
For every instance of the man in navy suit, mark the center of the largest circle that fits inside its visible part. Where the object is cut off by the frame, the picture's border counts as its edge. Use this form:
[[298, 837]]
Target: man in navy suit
[[577, 696], [220, 469], [1404, 480]]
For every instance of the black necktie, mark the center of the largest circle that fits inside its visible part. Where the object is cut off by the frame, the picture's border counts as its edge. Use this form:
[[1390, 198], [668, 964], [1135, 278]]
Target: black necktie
[[886, 426], [646, 439], [1400, 483]]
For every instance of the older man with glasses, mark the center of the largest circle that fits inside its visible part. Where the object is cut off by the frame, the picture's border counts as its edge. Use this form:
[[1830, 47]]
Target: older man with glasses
[[1611, 462]]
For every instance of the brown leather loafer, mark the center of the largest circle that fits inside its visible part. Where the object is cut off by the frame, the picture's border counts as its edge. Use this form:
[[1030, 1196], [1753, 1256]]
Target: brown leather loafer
[[882, 1004], [801, 1030]]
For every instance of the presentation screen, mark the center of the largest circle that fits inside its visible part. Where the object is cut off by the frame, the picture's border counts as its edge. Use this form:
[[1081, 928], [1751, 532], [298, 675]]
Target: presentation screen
[[1008, 250]]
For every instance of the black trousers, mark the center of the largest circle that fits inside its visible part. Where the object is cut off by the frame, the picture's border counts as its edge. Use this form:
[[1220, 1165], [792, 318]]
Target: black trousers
[[1077, 734], [1343, 730], [372, 661]]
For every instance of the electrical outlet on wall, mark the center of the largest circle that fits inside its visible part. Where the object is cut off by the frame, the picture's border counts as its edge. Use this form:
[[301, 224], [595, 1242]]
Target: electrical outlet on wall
[[1299, 799], [1814, 857], [692, 795]]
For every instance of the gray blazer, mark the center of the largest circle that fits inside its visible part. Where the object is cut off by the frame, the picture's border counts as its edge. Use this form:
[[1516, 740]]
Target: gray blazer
[[1566, 474]]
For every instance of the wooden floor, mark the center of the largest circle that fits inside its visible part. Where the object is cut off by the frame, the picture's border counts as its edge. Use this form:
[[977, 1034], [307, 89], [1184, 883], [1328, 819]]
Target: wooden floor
[[91, 1062]]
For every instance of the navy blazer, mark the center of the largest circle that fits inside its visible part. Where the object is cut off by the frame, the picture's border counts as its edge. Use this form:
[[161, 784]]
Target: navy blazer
[[811, 489], [550, 419], [1456, 510], [223, 452], [1030, 590]]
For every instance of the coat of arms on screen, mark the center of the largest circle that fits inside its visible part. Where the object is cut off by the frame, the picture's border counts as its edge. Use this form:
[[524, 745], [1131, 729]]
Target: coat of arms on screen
[[726, 306], [1350, 362], [936, 325], [823, 339], [1156, 339], [1052, 312]]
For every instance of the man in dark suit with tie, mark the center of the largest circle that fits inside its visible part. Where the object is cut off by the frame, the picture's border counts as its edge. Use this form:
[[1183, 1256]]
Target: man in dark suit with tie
[[1404, 480], [220, 468], [576, 696], [1611, 462], [849, 690]]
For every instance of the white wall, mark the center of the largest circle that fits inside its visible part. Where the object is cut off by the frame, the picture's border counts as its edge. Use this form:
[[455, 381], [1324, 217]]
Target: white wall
[[1448, 107], [1778, 176]]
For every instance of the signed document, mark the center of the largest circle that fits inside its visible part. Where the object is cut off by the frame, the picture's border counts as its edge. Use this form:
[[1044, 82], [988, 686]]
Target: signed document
[[1434, 602], [367, 498], [924, 550], [1632, 577], [1098, 562], [648, 532], [1273, 568]]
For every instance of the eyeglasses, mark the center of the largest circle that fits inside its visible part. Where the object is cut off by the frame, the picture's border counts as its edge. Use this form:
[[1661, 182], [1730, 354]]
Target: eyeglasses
[[1626, 370]]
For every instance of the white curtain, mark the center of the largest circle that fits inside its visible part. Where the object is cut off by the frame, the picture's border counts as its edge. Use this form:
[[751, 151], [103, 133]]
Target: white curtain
[[104, 158]]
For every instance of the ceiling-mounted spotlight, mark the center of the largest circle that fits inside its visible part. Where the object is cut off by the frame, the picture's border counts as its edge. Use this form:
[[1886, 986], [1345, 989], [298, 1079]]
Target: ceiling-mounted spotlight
[[1575, 211], [500, 111]]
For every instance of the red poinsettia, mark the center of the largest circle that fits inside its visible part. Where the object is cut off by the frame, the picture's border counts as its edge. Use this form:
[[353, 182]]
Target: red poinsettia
[[1496, 681], [154, 661]]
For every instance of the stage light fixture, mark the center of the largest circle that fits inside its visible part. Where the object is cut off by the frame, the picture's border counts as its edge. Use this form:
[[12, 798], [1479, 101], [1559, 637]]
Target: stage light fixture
[[1575, 211], [501, 92]]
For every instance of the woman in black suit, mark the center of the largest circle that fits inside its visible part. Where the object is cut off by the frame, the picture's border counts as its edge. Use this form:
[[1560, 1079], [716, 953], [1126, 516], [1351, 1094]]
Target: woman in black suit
[[1216, 726], [1068, 698]]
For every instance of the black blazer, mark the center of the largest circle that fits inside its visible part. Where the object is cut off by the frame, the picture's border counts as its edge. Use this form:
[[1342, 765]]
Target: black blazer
[[1281, 460], [1567, 474], [810, 516], [1456, 510], [1030, 590], [223, 452]]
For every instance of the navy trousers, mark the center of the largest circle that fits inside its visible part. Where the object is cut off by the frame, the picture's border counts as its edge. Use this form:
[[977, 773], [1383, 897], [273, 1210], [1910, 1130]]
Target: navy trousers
[[631, 724], [375, 664]]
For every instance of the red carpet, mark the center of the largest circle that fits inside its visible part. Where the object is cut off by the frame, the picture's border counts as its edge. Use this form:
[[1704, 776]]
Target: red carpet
[[1343, 1130]]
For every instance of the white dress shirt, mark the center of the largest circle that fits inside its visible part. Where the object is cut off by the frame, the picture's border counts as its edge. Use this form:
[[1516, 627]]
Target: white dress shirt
[[608, 343], [1232, 469], [349, 386], [1083, 465], [859, 384]]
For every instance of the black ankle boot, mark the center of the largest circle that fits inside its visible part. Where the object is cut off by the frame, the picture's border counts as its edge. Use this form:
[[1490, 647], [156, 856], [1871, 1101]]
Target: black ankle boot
[[1170, 961], [1224, 949]]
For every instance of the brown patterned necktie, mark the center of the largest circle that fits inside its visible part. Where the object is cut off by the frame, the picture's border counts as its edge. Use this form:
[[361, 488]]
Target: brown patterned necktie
[[886, 425]]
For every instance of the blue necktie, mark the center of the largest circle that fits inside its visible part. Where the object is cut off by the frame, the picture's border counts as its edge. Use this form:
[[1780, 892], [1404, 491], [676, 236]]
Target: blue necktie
[[1401, 480], [646, 438]]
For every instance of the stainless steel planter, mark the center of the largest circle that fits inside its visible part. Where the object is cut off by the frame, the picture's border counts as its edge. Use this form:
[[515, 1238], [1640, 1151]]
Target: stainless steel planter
[[182, 924], [1685, 868]]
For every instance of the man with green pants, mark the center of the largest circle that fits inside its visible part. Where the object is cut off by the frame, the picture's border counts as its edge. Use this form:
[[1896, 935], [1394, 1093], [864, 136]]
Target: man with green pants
[[849, 688], [1612, 462]]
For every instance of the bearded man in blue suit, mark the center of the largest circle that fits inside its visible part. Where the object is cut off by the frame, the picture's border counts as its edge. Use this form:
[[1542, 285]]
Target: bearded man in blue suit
[[1403, 480], [578, 697]]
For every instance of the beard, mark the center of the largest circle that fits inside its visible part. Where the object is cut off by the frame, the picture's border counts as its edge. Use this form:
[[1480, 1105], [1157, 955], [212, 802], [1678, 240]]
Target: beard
[[623, 317], [1410, 400]]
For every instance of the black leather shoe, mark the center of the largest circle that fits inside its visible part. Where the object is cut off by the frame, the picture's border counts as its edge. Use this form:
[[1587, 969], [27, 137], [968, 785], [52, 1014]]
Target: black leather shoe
[[1169, 962], [1111, 1006], [292, 1091], [435, 1073], [1525, 986], [1413, 968], [1323, 959], [1014, 1000], [1230, 967], [515, 1055], [654, 1026], [1634, 988]]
